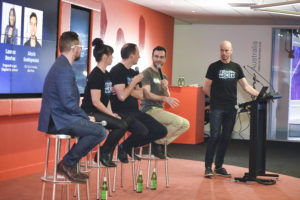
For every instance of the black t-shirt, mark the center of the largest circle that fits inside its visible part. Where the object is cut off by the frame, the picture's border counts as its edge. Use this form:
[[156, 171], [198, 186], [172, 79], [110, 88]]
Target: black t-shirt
[[99, 81], [223, 94], [121, 75]]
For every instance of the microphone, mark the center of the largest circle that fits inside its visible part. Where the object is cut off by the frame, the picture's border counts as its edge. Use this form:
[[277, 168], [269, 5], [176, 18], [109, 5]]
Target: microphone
[[261, 77], [138, 71], [160, 72], [103, 123], [255, 80]]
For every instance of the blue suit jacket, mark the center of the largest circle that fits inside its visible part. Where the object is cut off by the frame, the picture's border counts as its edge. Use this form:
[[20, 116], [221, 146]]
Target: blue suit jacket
[[60, 97]]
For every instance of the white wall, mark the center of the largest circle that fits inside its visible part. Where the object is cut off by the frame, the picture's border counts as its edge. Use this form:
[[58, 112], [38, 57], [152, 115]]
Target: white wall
[[196, 46]]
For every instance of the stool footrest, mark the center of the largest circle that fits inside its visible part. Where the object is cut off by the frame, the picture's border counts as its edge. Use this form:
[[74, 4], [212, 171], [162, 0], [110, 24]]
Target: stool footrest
[[50, 179]]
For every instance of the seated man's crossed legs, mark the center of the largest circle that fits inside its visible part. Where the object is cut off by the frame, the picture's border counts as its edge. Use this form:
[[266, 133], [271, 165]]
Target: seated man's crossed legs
[[175, 125], [144, 129]]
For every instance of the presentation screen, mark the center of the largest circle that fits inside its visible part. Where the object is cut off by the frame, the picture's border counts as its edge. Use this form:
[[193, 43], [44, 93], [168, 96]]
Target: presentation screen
[[28, 46]]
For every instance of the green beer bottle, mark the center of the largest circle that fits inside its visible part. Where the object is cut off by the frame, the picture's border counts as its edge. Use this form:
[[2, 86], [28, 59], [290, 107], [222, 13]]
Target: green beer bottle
[[153, 180], [140, 183], [104, 189]]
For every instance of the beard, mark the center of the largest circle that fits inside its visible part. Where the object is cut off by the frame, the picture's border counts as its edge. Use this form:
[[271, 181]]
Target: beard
[[225, 57], [77, 58], [156, 65]]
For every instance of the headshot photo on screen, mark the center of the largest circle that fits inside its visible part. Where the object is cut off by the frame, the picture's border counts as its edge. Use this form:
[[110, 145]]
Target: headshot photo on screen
[[33, 27], [11, 24]]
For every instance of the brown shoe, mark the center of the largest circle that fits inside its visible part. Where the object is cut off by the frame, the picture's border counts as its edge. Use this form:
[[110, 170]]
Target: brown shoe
[[70, 173], [83, 175]]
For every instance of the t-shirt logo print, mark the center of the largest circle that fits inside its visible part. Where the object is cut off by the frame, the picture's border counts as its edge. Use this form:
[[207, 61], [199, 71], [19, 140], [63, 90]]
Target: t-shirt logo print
[[156, 80], [226, 74], [129, 79], [108, 87]]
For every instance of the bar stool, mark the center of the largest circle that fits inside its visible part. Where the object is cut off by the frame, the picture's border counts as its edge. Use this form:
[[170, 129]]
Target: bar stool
[[150, 157], [90, 164], [57, 179], [132, 161]]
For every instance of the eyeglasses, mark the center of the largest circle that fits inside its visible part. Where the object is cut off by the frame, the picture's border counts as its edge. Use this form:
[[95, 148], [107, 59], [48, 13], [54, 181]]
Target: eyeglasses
[[77, 45]]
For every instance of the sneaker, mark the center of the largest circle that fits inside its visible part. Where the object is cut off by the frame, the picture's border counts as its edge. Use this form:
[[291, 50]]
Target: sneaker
[[222, 172], [208, 173]]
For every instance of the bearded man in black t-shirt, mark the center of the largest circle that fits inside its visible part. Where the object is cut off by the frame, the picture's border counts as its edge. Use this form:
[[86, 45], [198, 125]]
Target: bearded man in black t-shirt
[[144, 129], [220, 85]]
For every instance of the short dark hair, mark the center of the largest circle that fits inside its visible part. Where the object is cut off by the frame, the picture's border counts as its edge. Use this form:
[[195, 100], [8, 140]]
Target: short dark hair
[[66, 40], [100, 49], [33, 15], [159, 48], [127, 49]]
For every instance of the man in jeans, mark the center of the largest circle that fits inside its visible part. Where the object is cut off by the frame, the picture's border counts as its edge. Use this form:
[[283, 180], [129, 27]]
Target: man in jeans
[[220, 85], [156, 92], [60, 112]]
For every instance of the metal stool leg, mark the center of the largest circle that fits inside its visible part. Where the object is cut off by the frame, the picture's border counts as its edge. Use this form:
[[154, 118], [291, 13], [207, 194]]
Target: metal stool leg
[[115, 170], [149, 164], [166, 165], [46, 168], [57, 144], [98, 173], [133, 170], [109, 183], [139, 162]]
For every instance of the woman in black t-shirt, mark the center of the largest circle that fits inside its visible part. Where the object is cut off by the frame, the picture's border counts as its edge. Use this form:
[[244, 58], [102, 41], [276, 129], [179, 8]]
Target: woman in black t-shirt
[[96, 101]]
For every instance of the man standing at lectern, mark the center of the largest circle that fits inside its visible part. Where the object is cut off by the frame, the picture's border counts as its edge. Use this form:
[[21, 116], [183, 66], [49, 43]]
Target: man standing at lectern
[[156, 92], [220, 85]]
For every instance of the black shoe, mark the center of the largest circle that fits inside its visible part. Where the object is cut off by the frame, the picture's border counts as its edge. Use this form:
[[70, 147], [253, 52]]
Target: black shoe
[[222, 172], [106, 159], [135, 157], [208, 173], [158, 151], [70, 173], [96, 157], [122, 155]]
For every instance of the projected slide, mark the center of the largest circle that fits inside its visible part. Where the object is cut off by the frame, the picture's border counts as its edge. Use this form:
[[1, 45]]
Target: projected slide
[[295, 75], [28, 45]]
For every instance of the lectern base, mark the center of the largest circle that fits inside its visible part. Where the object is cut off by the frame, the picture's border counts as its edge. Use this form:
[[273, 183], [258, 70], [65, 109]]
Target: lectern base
[[247, 178]]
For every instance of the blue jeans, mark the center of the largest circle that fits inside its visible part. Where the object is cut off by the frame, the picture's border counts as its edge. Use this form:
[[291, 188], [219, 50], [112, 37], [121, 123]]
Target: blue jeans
[[219, 119], [90, 134]]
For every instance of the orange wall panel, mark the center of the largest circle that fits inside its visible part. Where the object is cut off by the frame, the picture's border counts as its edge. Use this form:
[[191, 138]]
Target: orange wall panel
[[26, 106], [142, 26], [5, 107]]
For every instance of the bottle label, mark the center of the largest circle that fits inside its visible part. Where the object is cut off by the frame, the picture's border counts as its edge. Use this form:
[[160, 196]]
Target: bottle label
[[153, 184], [139, 187], [103, 194]]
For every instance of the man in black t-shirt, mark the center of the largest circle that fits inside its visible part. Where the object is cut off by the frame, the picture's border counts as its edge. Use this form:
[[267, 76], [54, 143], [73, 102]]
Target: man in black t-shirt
[[143, 127], [220, 85]]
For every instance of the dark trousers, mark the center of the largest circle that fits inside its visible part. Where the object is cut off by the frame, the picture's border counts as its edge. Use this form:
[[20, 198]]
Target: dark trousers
[[144, 129], [90, 134], [117, 129], [219, 119]]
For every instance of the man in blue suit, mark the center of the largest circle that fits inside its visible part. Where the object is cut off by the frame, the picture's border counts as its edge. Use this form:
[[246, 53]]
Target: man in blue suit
[[60, 112]]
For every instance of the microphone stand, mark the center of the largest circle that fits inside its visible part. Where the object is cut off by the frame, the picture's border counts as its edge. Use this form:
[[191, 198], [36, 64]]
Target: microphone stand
[[254, 70], [272, 93], [255, 80]]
